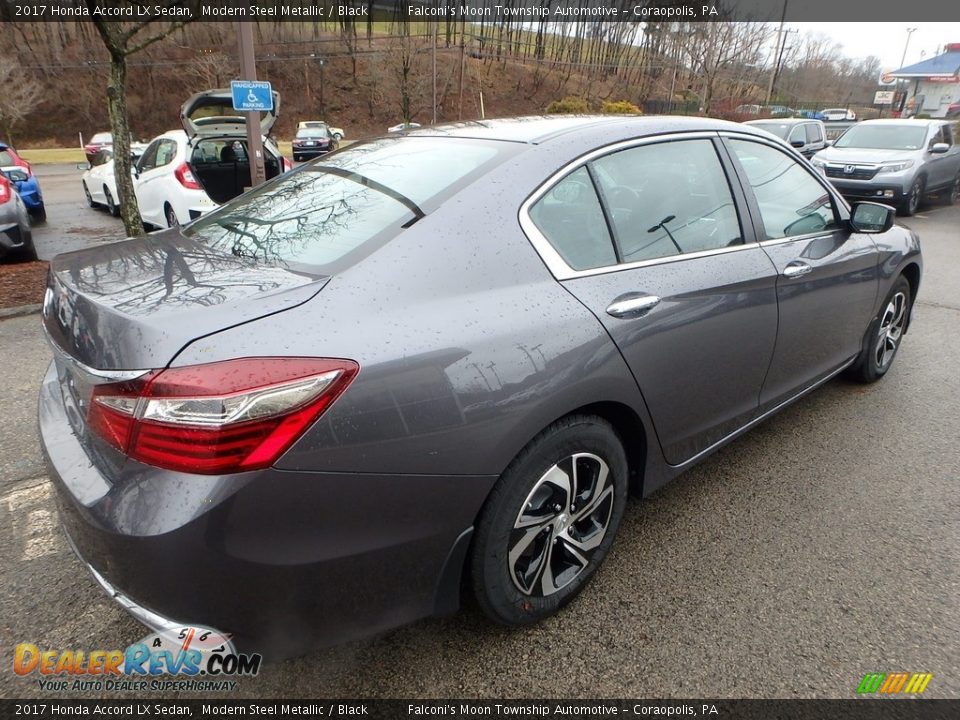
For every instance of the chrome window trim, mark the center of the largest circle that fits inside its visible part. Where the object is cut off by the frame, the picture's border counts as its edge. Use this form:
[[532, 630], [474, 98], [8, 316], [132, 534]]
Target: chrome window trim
[[555, 262]]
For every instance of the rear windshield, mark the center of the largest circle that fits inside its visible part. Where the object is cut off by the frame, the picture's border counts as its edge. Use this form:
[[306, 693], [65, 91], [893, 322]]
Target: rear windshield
[[883, 137], [312, 132], [328, 214]]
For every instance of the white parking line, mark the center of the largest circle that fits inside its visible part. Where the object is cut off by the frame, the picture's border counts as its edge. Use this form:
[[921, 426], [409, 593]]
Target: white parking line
[[32, 521]]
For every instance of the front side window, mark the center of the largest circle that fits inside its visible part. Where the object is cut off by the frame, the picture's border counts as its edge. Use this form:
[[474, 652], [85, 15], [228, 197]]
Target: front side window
[[798, 135], [668, 198], [813, 133], [791, 200], [149, 159], [571, 219]]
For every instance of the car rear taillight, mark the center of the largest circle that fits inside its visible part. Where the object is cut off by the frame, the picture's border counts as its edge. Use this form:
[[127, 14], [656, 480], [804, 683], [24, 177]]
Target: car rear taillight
[[220, 417], [5, 191], [287, 165], [185, 176]]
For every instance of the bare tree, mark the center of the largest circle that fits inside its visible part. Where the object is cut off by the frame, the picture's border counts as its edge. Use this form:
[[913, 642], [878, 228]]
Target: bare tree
[[19, 96], [121, 40], [213, 69]]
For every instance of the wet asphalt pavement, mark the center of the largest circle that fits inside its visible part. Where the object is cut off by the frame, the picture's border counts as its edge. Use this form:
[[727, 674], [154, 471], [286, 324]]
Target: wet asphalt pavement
[[823, 545]]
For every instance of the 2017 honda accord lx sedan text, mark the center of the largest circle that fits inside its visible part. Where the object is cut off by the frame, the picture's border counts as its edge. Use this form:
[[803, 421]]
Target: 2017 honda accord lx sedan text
[[440, 356]]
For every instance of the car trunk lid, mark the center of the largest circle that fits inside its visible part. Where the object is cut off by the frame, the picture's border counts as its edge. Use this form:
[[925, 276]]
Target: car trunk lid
[[211, 113], [135, 305]]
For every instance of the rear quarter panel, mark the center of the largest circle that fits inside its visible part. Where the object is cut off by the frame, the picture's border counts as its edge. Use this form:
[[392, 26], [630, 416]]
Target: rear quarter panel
[[467, 344]]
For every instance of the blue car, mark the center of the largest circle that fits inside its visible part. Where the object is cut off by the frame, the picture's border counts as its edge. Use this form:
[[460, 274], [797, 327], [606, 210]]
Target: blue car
[[29, 189]]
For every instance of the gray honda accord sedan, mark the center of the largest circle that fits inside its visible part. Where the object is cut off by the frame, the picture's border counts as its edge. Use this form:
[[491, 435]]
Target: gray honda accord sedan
[[439, 362]]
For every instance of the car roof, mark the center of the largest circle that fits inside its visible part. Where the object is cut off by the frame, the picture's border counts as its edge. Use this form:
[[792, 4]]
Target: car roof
[[781, 121], [538, 129], [900, 121]]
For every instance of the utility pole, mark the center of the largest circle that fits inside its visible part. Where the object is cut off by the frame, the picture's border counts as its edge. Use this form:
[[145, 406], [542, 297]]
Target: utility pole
[[903, 59], [777, 54], [434, 72], [248, 71]]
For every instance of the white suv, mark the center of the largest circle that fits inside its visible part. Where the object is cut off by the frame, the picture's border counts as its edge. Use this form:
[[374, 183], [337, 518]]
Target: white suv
[[185, 173]]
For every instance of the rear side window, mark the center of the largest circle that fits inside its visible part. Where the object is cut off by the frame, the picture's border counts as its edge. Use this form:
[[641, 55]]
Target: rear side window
[[324, 216], [570, 217], [791, 201]]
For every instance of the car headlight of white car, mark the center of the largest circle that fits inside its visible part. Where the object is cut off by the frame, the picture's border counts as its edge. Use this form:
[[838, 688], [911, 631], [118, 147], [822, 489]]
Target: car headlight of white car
[[820, 165], [894, 167]]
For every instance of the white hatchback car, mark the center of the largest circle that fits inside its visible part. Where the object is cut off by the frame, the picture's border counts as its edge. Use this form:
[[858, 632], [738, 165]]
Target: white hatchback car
[[100, 182], [184, 174]]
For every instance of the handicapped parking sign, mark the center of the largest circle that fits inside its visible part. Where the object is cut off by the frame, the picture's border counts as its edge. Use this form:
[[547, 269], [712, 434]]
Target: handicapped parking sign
[[251, 95]]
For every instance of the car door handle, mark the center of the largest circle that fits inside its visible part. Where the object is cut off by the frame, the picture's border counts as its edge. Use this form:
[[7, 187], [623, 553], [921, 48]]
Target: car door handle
[[796, 269], [632, 305]]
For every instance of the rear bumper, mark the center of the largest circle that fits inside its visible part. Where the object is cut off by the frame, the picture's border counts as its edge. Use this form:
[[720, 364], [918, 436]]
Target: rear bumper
[[285, 561], [310, 151]]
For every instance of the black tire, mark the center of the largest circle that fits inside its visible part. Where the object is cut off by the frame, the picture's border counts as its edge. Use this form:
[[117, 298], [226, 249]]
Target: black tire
[[29, 250], [914, 197], [496, 577], [40, 214], [952, 194], [338, 137], [296, 158], [172, 220], [112, 206], [889, 326], [86, 192]]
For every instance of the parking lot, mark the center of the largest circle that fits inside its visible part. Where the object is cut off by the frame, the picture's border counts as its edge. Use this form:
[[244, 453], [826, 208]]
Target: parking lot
[[821, 546]]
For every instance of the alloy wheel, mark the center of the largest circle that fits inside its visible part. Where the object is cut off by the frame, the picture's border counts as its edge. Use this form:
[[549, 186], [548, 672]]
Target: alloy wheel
[[563, 521], [891, 330], [172, 220]]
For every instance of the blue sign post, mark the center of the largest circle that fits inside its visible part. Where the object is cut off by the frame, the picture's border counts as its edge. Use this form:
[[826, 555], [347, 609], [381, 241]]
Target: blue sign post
[[251, 96]]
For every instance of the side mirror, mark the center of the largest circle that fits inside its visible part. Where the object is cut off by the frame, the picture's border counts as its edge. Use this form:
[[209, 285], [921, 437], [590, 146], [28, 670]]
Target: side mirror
[[16, 175], [827, 143], [869, 217], [83, 166], [797, 143], [939, 148]]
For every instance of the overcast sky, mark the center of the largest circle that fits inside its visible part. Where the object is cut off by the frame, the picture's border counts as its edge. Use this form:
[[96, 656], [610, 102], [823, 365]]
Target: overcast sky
[[886, 40]]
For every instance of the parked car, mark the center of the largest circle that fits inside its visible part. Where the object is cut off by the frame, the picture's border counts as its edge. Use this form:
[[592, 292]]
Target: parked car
[[748, 109], [368, 371], [311, 142], [403, 127], [337, 133], [98, 142], [100, 183], [811, 114], [185, 173], [830, 114], [27, 186], [953, 111], [894, 161], [16, 237], [807, 136], [779, 111]]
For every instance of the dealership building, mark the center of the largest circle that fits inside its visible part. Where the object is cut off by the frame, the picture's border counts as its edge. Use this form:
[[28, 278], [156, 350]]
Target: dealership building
[[934, 84]]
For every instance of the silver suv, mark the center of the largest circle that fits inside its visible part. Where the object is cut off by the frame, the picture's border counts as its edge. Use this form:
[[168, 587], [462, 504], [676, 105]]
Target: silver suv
[[897, 162]]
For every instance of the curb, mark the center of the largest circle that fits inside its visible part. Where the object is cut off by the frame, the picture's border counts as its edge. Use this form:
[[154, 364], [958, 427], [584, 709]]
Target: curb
[[19, 311]]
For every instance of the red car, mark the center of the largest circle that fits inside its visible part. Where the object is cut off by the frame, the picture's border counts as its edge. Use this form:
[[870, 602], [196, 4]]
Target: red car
[[98, 142], [954, 110]]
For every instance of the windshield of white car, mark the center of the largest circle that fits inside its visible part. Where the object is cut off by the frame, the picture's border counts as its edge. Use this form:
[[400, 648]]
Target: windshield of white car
[[100, 138], [325, 216], [883, 137], [781, 130]]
